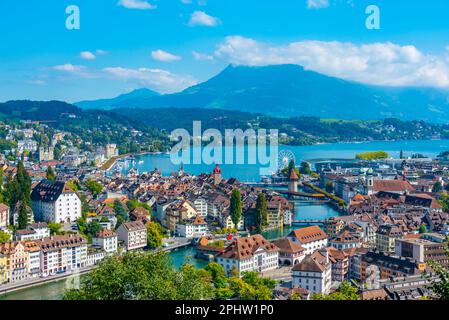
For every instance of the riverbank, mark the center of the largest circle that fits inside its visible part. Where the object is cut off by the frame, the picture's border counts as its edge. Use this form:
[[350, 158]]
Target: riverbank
[[16, 286]]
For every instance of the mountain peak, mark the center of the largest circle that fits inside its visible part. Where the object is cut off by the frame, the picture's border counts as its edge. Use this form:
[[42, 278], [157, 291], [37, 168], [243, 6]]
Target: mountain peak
[[116, 102], [290, 90]]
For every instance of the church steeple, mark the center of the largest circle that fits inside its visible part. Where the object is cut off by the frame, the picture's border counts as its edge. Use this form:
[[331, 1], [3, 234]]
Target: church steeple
[[217, 174]]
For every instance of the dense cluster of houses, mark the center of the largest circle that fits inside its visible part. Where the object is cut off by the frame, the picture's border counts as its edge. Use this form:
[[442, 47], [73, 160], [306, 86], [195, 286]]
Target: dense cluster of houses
[[393, 226]]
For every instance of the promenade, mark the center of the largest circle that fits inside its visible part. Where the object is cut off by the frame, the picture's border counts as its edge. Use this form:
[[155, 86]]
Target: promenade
[[10, 287]]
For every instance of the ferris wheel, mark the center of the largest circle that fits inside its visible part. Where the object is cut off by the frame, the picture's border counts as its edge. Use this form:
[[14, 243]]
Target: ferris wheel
[[284, 158]]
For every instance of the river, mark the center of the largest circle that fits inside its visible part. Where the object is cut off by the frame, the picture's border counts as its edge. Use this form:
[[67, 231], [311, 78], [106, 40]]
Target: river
[[250, 173]]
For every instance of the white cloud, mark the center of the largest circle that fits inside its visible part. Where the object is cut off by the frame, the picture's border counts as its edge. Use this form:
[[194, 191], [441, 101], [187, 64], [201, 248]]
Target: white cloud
[[317, 4], [101, 52], [202, 57], [87, 55], [200, 18], [160, 80], [136, 4], [69, 68], [37, 82], [376, 63], [164, 56]]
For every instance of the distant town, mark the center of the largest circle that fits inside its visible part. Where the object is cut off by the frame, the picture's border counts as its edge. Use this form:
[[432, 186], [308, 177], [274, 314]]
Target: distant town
[[67, 210]]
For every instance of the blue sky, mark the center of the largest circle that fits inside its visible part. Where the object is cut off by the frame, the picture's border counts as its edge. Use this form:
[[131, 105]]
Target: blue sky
[[168, 45]]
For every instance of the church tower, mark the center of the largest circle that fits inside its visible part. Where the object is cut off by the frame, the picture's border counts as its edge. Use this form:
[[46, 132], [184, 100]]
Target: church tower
[[217, 175]]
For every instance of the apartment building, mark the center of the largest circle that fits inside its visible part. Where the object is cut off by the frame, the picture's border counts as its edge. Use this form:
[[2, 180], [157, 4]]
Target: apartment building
[[34, 231], [62, 253], [192, 228], [253, 253], [106, 240], [55, 201], [17, 261], [422, 250], [314, 273], [133, 234], [386, 236]]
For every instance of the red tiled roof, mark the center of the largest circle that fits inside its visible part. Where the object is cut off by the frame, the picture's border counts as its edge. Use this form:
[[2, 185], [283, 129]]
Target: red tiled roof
[[309, 234]]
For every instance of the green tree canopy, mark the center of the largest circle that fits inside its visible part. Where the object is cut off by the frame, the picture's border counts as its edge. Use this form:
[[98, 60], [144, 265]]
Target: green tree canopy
[[440, 284], [4, 237], [235, 209], [120, 212], [154, 235], [94, 187], [50, 174], [261, 213], [345, 292], [373, 155], [143, 276]]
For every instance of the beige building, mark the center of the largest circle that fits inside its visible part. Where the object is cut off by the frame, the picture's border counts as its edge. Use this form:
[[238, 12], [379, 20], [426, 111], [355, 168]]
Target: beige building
[[4, 215], [133, 234], [17, 261], [386, 236]]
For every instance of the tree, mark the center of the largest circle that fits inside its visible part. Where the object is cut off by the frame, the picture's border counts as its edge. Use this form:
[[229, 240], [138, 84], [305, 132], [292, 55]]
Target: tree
[[4, 237], [261, 213], [94, 187], [291, 167], [235, 209], [73, 185], [439, 284], [305, 168], [422, 228], [143, 276], [345, 292], [374, 155], [50, 174], [437, 187], [55, 228], [154, 235], [401, 154], [93, 228], [120, 212], [18, 188], [23, 216], [444, 201]]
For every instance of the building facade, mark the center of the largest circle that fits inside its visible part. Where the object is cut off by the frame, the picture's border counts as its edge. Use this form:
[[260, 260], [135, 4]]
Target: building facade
[[253, 253]]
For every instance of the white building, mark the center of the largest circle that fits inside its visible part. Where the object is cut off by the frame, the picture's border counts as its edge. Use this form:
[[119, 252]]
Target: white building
[[194, 228], [106, 240], [62, 253], [34, 258], [133, 234], [35, 231], [346, 240], [314, 273], [310, 238], [55, 201], [226, 222], [253, 253], [4, 215], [94, 257], [201, 206]]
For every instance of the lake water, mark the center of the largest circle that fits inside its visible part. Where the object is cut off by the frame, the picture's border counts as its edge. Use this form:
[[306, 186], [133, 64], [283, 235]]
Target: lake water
[[250, 173]]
